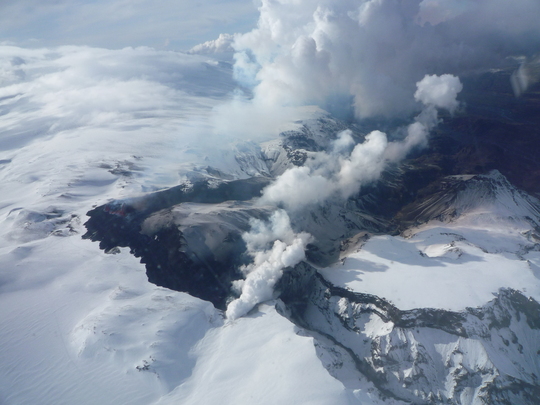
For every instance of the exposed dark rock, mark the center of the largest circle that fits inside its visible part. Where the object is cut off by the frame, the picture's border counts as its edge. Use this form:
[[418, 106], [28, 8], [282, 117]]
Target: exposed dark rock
[[407, 342], [201, 260], [297, 157], [448, 197]]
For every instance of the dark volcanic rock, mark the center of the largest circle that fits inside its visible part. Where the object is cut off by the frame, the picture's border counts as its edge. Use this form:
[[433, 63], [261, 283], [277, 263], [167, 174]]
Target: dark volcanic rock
[[495, 130], [450, 196], [197, 256]]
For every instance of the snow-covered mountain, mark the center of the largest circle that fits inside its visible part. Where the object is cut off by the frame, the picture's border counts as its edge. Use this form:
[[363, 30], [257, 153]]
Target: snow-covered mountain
[[438, 335], [436, 303], [446, 311], [123, 242]]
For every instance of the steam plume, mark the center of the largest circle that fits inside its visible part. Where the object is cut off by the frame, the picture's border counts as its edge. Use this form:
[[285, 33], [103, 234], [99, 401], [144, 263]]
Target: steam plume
[[273, 246], [370, 53], [342, 173], [374, 58], [338, 174]]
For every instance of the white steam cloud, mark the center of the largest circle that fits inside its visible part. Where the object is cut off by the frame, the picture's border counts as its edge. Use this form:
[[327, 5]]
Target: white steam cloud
[[342, 172], [369, 54], [334, 175], [367, 58], [221, 45], [527, 74], [440, 92], [273, 246]]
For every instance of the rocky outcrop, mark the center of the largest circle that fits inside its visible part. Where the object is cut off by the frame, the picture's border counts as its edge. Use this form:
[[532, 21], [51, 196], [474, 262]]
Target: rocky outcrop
[[452, 196], [184, 246], [486, 355]]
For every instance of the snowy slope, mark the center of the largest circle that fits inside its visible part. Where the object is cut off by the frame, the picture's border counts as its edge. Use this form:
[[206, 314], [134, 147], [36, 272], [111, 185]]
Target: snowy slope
[[478, 236], [83, 326], [79, 326], [485, 355]]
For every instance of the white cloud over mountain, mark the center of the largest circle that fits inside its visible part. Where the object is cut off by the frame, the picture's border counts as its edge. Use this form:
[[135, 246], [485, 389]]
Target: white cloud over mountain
[[221, 45], [371, 53]]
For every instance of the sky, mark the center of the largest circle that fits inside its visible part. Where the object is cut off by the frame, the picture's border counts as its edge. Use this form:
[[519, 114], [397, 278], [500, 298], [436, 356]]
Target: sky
[[113, 24]]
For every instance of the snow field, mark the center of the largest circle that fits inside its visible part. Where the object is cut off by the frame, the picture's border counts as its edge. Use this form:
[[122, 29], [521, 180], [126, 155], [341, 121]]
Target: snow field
[[449, 266], [83, 126]]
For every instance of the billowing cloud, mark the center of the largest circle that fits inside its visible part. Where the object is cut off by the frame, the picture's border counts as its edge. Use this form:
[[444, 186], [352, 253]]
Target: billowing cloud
[[333, 175], [439, 91], [341, 172], [221, 45], [372, 52], [273, 246]]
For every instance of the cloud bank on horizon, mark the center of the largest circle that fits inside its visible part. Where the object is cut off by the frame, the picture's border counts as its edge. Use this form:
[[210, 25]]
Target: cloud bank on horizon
[[368, 54], [80, 104], [113, 24]]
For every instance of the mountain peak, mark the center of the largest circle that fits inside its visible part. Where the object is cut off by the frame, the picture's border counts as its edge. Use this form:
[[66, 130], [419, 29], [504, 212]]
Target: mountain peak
[[480, 199]]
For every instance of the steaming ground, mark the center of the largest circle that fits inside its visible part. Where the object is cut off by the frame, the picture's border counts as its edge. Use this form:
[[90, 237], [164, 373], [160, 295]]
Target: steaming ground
[[365, 59], [334, 176]]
